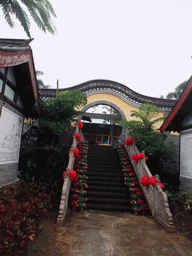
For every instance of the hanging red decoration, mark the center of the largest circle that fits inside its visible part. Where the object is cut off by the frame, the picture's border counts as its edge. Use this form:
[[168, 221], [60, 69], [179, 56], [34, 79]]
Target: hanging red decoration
[[72, 174], [129, 141], [145, 180], [135, 158], [80, 125], [153, 181], [76, 152], [78, 137], [140, 156]]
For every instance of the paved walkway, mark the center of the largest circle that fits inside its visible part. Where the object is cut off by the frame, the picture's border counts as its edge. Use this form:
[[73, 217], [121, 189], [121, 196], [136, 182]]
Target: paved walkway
[[97, 233]]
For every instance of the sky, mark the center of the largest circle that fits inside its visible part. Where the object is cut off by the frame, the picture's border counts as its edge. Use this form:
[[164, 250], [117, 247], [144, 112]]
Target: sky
[[145, 45]]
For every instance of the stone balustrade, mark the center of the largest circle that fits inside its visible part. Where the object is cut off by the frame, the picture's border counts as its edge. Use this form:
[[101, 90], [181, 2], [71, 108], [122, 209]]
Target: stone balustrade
[[67, 183], [155, 196]]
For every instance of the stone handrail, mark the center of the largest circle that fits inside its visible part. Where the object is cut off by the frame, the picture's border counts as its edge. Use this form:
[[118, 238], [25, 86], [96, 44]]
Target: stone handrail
[[67, 183], [156, 198]]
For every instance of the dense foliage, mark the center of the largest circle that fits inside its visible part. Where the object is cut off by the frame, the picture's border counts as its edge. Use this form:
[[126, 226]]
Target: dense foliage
[[45, 145], [148, 116], [158, 148], [180, 203], [58, 113], [21, 209]]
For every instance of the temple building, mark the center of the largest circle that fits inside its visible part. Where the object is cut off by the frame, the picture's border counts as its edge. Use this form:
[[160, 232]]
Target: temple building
[[18, 94], [180, 120]]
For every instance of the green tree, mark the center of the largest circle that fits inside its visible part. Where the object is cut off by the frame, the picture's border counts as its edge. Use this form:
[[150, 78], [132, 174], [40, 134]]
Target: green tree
[[44, 148], [157, 146], [40, 10], [77, 98], [58, 113], [147, 114], [178, 91]]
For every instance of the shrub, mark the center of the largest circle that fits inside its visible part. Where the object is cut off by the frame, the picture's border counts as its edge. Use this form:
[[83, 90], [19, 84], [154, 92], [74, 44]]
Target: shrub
[[45, 145], [158, 148]]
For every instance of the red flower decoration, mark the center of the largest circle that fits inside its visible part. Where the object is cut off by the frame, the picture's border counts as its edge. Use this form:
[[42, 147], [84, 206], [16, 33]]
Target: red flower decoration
[[80, 125], [129, 141], [78, 136], [153, 181], [140, 156], [72, 174], [162, 186], [135, 158], [145, 180], [76, 152]]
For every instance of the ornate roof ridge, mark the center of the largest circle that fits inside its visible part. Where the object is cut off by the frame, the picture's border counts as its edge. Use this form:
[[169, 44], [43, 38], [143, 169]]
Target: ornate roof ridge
[[14, 44], [120, 90]]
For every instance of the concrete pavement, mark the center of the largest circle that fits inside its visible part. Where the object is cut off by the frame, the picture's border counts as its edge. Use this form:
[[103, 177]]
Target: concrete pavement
[[100, 233]]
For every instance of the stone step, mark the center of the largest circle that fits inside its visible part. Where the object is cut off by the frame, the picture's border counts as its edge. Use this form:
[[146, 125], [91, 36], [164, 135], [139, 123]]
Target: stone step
[[109, 201], [100, 173], [106, 189], [103, 164], [104, 183], [104, 179], [101, 194], [106, 207], [104, 169]]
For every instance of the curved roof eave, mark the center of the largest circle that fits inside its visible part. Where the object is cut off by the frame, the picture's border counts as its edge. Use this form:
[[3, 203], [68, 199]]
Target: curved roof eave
[[181, 109], [107, 86]]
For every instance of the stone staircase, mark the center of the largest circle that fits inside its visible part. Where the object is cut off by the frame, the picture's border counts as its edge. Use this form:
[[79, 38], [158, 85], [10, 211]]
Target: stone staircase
[[106, 189]]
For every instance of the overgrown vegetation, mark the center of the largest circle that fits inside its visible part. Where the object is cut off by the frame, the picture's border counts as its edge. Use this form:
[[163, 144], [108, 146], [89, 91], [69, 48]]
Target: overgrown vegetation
[[59, 112], [180, 203], [22, 208], [158, 148], [45, 145], [43, 158]]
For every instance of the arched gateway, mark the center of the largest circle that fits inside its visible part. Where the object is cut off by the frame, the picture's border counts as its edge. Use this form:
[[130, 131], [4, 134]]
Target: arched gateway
[[116, 95]]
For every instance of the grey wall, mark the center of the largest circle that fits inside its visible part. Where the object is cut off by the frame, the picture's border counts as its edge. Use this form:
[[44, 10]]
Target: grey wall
[[8, 173]]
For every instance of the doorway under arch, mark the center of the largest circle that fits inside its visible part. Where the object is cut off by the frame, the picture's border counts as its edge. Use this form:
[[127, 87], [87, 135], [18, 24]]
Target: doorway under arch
[[100, 133]]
